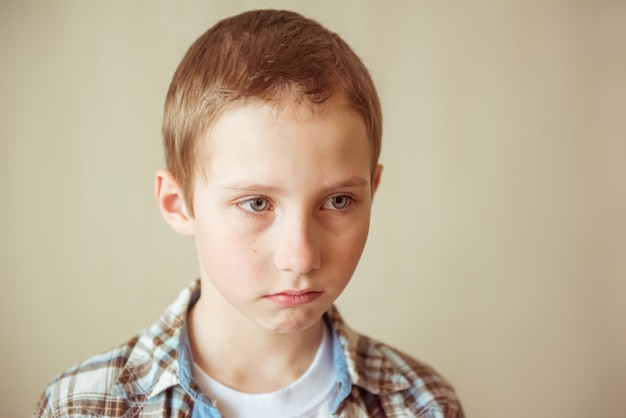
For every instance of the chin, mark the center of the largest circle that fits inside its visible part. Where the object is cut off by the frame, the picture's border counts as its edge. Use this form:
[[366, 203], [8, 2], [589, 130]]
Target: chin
[[295, 323]]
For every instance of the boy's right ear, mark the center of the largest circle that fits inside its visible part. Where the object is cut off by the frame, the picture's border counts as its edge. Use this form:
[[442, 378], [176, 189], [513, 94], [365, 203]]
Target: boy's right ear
[[171, 203]]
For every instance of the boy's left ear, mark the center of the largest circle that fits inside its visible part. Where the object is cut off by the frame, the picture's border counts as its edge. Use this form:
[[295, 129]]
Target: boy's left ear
[[171, 203], [376, 178]]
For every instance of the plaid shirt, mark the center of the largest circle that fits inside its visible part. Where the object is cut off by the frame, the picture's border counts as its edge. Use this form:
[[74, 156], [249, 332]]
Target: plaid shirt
[[150, 376]]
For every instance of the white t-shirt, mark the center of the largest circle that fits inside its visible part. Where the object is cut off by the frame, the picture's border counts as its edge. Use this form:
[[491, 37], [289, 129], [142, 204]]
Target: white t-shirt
[[310, 396]]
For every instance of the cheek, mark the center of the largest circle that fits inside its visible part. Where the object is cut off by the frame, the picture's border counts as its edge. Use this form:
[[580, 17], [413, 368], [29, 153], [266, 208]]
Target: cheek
[[237, 251], [347, 246], [223, 245]]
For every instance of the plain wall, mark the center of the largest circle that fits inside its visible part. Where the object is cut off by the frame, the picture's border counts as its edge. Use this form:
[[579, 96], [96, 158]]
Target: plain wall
[[498, 244]]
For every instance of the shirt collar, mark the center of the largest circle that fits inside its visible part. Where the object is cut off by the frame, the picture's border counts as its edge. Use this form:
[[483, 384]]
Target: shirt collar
[[366, 361], [152, 364]]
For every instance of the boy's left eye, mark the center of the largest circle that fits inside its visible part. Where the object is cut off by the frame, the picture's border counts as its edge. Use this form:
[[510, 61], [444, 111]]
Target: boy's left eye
[[338, 202], [257, 204]]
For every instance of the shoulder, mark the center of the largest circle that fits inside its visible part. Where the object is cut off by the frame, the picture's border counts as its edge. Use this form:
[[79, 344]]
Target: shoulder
[[87, 387], [399, 379], [389, 382], [128, 377]]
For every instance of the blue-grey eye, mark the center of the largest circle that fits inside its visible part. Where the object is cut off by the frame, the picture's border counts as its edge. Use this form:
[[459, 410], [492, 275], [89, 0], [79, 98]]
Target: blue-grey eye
[[340, 202], [258, 204]]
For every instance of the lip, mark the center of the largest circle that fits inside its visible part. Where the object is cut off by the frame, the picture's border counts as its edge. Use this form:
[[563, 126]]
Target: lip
[[293, 297]]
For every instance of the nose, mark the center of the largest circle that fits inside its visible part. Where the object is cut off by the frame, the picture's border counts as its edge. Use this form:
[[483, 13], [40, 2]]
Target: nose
[[297, 249]]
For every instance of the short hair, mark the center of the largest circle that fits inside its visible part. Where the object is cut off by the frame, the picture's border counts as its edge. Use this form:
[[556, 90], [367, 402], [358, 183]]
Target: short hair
[[259, 54]]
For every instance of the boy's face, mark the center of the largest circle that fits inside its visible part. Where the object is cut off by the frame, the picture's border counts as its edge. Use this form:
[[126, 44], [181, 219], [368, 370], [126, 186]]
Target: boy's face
[[283, 216]]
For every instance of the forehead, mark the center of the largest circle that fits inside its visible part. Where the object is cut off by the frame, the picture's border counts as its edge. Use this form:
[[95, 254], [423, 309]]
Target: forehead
[[261, 138], [289, 109]]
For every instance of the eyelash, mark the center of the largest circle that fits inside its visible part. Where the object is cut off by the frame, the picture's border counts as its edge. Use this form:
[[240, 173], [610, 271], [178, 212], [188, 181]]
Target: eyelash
[[256, 199], [244, 205], [350, 201]]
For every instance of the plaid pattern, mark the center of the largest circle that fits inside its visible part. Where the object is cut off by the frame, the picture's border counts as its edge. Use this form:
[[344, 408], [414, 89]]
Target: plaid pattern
[[141, 378]]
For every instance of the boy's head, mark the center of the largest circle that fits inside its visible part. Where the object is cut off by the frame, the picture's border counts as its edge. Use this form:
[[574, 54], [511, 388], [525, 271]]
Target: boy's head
[[271, 55]]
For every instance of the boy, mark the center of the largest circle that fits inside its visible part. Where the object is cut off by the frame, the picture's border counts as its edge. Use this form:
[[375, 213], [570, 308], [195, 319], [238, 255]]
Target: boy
[[272, 132]]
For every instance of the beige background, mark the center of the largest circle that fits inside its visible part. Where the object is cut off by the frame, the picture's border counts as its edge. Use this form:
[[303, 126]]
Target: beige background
[[498, 246]]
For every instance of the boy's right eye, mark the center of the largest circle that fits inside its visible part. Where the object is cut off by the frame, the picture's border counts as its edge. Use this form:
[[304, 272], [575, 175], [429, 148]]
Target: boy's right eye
[[257, 204]]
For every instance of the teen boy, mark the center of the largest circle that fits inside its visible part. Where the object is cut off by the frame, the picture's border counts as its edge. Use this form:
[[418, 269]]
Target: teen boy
[[272, 134]]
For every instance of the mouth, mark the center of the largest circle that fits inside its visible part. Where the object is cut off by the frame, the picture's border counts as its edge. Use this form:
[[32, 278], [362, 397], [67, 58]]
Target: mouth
[[293, 297]]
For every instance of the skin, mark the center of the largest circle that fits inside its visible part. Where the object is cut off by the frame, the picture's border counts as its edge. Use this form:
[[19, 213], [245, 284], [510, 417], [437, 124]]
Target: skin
[[282, 215]]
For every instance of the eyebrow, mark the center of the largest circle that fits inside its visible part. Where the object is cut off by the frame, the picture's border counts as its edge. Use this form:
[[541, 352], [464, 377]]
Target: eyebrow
[[352, 182], [239, 186]]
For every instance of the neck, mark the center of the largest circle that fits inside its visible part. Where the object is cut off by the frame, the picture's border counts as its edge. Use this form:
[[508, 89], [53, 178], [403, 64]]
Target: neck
[[239, 353]]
